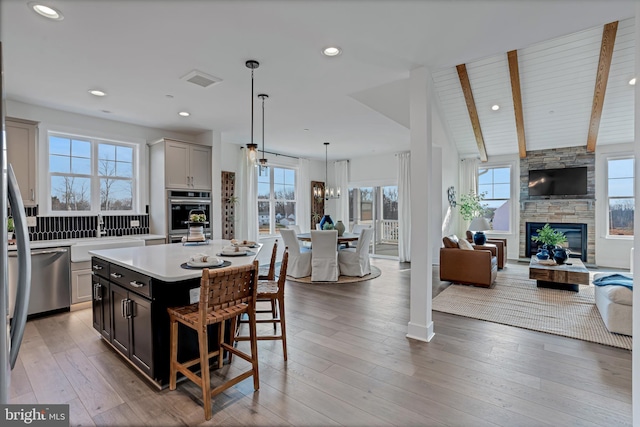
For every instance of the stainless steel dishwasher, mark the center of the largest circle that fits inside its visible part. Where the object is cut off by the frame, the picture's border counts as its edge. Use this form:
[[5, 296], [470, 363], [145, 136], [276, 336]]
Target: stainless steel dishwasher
[[50, 280]]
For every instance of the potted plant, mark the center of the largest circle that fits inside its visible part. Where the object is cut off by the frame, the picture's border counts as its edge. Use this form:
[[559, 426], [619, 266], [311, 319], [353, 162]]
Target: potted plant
[[471, 205], [10, 228], [549, 237]]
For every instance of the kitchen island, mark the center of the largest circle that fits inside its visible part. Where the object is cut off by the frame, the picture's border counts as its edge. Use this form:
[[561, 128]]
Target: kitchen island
[[132, 288]]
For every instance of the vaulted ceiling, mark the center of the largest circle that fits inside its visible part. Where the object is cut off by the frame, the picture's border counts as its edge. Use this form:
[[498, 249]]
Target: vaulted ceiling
[[138, 50]]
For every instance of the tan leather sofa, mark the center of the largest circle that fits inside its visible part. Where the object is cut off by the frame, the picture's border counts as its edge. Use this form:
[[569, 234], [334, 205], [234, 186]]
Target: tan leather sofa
[[476, 267], [501, 245]]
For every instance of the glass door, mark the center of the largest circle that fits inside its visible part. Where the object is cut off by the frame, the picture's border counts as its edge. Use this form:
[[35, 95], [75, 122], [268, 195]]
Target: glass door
[[377, 207]]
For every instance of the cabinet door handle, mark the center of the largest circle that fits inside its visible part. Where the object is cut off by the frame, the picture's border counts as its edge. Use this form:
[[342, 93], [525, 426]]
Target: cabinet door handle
[[129, 309], [33, 195], [97, 267], [116, 275], [122, 304], [136, 284], [97, 294]]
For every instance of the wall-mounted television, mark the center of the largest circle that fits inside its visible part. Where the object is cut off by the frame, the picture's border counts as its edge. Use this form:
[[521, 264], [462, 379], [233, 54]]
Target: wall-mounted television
[[558, 182]]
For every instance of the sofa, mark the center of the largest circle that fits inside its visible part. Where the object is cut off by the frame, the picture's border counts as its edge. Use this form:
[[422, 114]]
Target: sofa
[[478, 267], [615, 304], [501, 248]]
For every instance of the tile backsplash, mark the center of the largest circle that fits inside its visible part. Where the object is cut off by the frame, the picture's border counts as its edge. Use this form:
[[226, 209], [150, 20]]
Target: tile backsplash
[[74, 227]]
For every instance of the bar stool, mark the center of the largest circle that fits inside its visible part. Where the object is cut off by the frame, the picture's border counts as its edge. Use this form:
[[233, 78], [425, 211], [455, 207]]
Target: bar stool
[[225, 294], [272, 291], [263, 273]]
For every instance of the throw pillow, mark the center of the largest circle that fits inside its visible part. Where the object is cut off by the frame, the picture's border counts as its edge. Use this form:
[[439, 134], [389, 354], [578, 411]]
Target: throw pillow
[[463, 244], [450, 241]]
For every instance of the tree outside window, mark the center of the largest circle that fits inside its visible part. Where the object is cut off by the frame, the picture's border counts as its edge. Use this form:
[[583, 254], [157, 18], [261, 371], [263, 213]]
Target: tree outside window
[[276, 198], [89, 175], [620, 177], [495, 184]]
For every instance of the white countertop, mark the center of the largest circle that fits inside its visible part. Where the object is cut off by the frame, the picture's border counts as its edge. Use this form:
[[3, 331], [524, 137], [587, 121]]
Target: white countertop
[[39, 244], [163, 262]]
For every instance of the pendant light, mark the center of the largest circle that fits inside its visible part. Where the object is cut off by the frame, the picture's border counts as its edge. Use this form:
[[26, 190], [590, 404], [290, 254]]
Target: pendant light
[[263, 161], [329, 192], [252, 65]]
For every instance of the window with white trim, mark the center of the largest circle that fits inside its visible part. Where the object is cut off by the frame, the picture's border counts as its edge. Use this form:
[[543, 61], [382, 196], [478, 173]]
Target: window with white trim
[[276, 198], [494, 183], [91, 175], [620, 196]]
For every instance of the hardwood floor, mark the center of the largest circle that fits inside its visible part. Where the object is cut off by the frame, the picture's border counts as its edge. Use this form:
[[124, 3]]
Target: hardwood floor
[[349, 364]]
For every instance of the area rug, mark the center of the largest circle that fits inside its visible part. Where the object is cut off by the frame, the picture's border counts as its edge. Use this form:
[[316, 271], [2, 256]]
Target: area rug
[[518, 302], [375, 272]]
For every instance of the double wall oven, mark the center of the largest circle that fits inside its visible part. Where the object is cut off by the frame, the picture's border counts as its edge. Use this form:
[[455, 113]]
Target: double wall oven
[[180, 204]]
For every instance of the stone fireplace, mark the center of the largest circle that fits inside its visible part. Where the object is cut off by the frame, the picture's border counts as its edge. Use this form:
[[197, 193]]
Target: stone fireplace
[[560, 211], [576, 238]]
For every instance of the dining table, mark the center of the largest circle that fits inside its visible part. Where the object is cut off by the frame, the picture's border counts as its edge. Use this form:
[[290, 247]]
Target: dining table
[[344, 239]]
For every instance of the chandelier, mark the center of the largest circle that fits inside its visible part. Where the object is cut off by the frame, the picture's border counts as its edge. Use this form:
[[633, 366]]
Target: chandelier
[[329, 192], [252, 65]]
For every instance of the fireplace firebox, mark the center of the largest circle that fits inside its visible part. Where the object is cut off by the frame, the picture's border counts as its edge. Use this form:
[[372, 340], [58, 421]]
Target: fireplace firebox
[[576, 237]]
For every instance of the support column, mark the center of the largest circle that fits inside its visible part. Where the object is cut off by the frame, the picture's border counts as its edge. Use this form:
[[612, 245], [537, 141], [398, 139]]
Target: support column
[[421, 90], [635, 371]]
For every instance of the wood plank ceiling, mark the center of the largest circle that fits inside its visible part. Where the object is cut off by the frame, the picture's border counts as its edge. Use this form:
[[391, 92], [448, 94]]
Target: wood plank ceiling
[[557, 80]]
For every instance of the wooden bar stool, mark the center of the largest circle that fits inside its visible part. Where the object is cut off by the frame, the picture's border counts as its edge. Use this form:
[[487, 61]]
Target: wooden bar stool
[[263, 273], [224, 294], [272, 291]]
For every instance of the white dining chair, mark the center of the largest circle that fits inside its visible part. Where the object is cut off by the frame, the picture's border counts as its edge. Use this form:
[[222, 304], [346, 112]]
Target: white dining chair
[[355, 261], [318, 227], [295, 228], [299, 261], [357, 229], [324, 256]]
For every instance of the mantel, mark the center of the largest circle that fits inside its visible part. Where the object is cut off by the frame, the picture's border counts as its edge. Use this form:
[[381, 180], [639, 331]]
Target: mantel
[[590, 202]]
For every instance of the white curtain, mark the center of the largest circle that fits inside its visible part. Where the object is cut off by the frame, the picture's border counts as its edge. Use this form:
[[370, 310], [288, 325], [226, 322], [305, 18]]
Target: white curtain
[[303, 196], [404, 207], [468, 183], [247, 208], [342, 182]]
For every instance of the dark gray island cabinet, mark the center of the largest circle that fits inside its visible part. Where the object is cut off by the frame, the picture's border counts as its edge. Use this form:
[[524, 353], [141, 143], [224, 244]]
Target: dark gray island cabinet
[[130, 301]]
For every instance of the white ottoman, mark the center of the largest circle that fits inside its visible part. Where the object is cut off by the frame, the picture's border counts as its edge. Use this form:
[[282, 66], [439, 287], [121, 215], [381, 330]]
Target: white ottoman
[[615, 305]]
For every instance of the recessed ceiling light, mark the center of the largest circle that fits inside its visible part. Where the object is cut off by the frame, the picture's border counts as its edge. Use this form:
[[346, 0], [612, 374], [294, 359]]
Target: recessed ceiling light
[[97, 92], [169, 96], [184, 114], [46, 11], [495, 107], [331, 51], [106, 111], [632, 82]]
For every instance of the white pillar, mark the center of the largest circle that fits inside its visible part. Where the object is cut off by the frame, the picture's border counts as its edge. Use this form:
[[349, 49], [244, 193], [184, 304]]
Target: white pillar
[[635, 371], [420, 321]]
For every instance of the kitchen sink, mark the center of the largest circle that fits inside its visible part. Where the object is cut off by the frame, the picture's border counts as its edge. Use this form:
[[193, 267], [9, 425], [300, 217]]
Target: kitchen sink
[[80, 250]]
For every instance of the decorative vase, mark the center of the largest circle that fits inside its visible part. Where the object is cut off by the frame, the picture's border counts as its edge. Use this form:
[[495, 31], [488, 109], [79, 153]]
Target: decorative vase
[[543, 254], [479, 238], [325, 219], [560, 255], [340, 227]]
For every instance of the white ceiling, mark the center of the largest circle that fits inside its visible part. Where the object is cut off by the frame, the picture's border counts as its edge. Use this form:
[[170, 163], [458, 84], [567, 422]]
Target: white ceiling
[[137, 50]]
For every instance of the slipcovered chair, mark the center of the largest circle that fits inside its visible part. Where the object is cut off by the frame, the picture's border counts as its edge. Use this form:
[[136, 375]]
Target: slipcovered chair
[[500, 244], [299, 261], [357, 228], [355, 261], [324, 256], [615, 304], [295, 228], [469, 266]]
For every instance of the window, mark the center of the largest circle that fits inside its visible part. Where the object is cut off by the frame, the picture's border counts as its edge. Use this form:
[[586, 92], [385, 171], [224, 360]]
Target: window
[[495, 184], [620, 196], [276, 198], [90, 175]]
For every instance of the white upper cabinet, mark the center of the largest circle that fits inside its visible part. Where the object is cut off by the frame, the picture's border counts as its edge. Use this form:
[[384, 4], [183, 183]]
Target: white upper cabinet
[[187, 166]]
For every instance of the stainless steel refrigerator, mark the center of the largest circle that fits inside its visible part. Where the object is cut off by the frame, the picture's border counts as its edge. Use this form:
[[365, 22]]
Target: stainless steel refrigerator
[[12, 331]]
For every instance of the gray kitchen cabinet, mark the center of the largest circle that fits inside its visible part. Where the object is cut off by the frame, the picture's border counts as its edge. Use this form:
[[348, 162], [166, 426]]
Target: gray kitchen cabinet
[[187, 166], [81, 287], [150, 242], [21, 138]]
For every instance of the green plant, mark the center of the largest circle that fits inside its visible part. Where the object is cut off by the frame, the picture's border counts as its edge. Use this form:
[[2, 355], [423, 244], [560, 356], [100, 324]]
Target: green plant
[[197, 217], [233, 200], [328, 226], [549, 236], [316, 217], [471, 205], [10, 226]]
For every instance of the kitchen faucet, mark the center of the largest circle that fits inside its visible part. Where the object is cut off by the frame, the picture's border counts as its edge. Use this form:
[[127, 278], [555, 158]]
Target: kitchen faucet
[[99, 229]]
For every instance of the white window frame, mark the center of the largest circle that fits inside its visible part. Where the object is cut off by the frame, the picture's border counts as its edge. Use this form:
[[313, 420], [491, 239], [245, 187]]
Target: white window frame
[[94, 177], [619, 156], [272, 200], [513, 190]]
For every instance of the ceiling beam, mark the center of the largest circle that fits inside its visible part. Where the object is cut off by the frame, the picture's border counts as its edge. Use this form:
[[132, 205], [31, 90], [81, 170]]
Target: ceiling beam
[[473, 113], [514, 73], [604, 64]]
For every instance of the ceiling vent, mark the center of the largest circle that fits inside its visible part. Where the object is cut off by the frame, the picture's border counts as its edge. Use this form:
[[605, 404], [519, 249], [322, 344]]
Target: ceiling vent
[[201, 79]]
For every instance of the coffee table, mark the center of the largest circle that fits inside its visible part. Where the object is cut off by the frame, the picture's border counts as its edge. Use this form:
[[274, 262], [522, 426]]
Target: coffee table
[[566, 276]]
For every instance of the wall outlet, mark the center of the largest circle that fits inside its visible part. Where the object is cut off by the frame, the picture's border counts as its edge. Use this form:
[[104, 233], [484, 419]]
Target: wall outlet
[[135, 223], [32, 221]]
